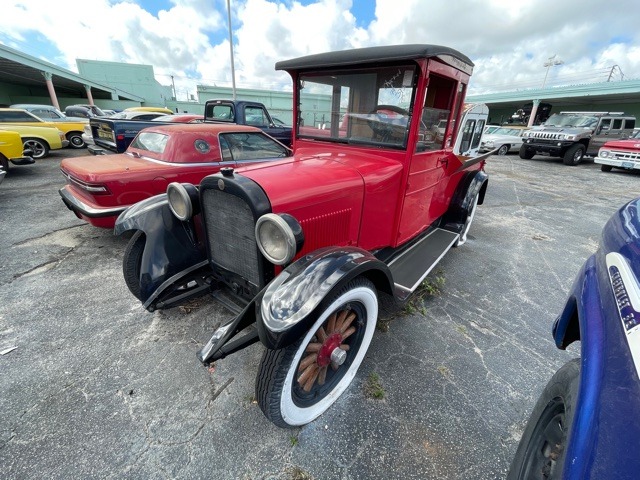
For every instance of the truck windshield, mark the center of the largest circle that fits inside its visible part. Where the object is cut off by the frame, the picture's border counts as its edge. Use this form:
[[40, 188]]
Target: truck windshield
[[365, 106], [571, 120]]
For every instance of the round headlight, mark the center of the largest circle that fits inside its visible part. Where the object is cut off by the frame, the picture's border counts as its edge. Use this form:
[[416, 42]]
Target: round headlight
[[179, 201], [603, 153], [276, 238]]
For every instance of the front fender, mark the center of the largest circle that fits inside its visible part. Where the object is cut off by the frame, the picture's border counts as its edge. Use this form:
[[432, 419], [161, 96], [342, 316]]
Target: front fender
[[171, 245], [292, 301]]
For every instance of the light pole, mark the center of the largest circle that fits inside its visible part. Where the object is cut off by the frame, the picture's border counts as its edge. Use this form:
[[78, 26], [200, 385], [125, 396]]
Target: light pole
[[548, 64], [233, 73]]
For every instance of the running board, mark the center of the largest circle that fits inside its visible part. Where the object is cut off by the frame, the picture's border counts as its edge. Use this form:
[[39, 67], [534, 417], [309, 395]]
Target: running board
[[413, 265]]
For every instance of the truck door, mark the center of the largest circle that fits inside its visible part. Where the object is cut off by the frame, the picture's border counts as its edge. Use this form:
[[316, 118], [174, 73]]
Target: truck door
[[432, 153], [608, 129]]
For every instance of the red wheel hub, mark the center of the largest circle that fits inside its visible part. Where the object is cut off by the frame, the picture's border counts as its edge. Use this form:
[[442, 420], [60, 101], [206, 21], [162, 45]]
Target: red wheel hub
[[332, 342]]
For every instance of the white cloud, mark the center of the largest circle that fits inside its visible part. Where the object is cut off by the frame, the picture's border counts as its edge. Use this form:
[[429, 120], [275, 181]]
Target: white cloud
[[509, 41]]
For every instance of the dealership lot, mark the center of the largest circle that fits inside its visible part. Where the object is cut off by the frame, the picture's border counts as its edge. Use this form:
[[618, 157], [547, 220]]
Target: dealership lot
[[99, 388]]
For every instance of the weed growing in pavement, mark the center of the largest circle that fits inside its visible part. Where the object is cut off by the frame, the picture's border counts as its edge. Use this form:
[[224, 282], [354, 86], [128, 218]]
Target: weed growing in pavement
[[430, 287], [294, 440], [373, 387]]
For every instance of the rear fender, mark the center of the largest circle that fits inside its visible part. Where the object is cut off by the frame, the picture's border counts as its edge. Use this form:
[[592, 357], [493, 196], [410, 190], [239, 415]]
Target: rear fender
[[472, 184], [171, 245], [293, 300]]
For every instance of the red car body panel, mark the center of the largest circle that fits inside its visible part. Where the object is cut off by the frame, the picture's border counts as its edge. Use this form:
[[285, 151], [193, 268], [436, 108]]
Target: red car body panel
[[139, 174]]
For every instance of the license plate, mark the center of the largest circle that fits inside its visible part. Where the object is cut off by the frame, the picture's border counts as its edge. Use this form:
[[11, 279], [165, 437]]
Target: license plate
[[628, 165]]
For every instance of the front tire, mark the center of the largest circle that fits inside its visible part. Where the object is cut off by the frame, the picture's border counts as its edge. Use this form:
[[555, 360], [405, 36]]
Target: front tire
[[131, 263], [75, 140], [4, 162], [542, 449], [526, 153], [574, 154], [298, 383], [39, 147], [606, 168]]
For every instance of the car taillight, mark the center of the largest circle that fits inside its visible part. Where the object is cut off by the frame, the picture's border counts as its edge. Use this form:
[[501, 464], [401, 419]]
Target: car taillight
[[95, 188], [120, 138]]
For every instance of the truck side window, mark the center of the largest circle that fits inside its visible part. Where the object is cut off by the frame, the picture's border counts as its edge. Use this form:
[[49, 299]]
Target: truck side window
[[256, 116], [630, 123], [435, 114], [605, 125], [477, 134], [617, 124]]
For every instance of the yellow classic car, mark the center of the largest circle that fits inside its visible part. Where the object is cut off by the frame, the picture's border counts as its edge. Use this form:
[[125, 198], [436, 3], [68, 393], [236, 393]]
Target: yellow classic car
[[40, 140], [72, 130], [11, 150]]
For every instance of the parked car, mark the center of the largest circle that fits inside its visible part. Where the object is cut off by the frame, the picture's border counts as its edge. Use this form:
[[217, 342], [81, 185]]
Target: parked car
[[98, 191], [164, 110], [84, 111], [136, 115], [38, 140], [12, 151], [574, 135], [302, 247], [48, 113], [623, 154], [72, 129], [180, 118], [585, 422], [503, 140]]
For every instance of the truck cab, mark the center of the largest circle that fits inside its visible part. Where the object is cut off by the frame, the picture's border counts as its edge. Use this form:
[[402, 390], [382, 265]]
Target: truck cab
[[244, 112]]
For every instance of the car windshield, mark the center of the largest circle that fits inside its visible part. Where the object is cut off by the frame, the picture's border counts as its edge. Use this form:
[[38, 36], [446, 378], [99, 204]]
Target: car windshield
[[366, 106], [244, 146], [571, 120], [150, 141], [515, 132]]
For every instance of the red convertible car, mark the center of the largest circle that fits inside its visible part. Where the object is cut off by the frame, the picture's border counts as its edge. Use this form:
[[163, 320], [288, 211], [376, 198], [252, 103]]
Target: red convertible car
[[98, 190]]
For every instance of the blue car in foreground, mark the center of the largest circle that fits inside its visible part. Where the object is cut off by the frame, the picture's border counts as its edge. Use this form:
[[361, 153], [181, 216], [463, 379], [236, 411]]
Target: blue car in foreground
[[586, 423]]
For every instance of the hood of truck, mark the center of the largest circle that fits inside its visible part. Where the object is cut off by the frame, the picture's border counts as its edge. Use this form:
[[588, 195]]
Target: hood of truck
[[564, 130], [632, 144], [329, 193]]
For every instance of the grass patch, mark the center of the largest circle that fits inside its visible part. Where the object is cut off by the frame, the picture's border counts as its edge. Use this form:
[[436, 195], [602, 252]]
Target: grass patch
[[296, 473], [373, 387], [430, 287], [294, 440]]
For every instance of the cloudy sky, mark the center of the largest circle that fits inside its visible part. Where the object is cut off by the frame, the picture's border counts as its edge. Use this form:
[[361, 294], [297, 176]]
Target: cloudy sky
[[508, 40]]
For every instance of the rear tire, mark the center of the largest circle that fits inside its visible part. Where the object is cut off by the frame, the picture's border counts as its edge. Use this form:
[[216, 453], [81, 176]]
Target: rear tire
[[606, 168], [467, 223], [542, 449], [574, 155], [298, 383], [526, 153], [40, 148], [503, 150], [132, 261], [75, 140]]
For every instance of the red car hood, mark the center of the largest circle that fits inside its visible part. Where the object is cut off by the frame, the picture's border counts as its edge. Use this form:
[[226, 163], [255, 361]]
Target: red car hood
[[103, 168], [631, 144]]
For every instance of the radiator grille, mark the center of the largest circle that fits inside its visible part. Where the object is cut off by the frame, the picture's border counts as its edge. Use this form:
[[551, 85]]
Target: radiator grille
[[628, 156], [231, 236]]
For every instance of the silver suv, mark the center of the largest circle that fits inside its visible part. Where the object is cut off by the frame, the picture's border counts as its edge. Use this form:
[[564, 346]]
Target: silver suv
[[574, 135]]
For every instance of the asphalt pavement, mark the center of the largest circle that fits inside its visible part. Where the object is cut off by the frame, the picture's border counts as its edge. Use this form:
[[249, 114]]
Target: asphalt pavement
[[97, 387]]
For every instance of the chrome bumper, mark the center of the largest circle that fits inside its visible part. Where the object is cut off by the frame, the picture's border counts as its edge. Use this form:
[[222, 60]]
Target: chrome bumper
[[76, 205]]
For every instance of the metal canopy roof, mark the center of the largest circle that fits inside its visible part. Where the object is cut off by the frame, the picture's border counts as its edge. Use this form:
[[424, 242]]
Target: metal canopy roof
[[20, 69], [622, 92]]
